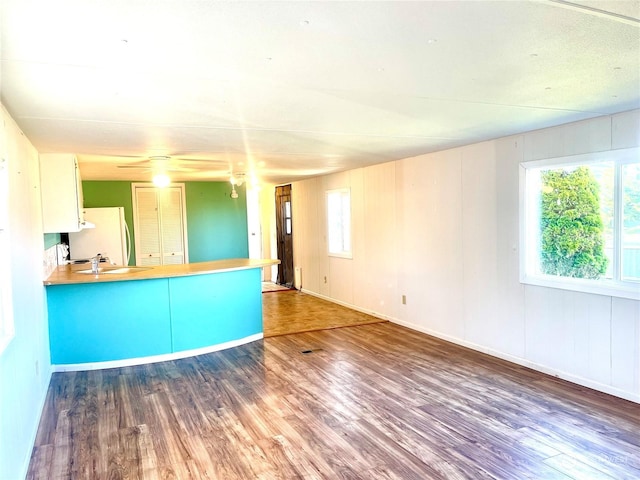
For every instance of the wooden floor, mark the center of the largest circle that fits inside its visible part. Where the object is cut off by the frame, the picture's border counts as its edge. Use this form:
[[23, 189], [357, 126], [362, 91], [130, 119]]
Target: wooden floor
[[291, 311], [368, 402], [273, 287]]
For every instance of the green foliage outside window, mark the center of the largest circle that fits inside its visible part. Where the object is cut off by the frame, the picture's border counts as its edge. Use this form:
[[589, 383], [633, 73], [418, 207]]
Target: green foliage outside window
[[571, 224]]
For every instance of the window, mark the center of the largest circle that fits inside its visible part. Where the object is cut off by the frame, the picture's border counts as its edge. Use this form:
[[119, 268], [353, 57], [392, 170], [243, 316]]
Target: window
[[287, 217], [580, 220], [339, 222], [6, 311]]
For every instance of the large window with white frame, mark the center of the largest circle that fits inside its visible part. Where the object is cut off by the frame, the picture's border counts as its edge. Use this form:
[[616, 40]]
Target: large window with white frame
[[580, 223], [339, 222]]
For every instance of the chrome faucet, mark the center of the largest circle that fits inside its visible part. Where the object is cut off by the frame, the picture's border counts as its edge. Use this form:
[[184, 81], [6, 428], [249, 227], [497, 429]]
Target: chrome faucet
[[95, 264]]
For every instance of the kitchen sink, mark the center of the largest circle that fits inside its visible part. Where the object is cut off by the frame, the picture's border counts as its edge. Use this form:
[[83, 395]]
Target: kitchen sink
[[113, 270]]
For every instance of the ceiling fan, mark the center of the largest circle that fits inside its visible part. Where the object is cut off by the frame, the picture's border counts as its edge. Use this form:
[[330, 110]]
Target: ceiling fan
[[161, 166], [167, 163]]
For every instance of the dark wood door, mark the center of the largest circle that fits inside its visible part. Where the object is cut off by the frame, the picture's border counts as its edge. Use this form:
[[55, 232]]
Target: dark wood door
[[284, 234]]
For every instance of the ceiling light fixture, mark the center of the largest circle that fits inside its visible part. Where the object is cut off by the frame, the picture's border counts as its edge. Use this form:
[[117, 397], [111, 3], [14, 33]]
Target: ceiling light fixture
[[237, 179], [161, 180]]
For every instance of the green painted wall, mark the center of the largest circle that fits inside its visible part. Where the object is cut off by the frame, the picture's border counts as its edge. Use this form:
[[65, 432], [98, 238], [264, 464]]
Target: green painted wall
[[111, 194], [216, 223]]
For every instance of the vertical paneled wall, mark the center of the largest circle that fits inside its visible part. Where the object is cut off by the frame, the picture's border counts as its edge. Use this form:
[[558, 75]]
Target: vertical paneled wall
[[430, 242], [268, 231], [376, 282], [25, 368], [442, 229], [309, 234]]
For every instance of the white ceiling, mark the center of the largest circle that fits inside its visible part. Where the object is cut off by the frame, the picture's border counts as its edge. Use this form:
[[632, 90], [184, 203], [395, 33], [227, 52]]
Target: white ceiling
[[288, 90]]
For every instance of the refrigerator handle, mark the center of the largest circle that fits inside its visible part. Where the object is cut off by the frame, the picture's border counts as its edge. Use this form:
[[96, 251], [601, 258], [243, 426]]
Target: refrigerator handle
[[126, 229]]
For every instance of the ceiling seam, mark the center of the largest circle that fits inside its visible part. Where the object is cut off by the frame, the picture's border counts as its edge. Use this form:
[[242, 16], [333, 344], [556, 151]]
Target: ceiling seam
[[595, 12]]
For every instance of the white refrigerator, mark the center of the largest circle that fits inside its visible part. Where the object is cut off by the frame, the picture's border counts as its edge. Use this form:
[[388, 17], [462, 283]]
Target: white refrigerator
[[110, 237]]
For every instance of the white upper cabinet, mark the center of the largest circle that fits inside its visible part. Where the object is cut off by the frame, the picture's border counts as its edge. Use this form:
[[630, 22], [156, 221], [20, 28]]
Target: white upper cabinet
[[61, 189]]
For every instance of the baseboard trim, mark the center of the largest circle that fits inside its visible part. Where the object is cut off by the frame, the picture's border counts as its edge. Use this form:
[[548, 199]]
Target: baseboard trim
[[348, 305], [585, 382], [130, 362]]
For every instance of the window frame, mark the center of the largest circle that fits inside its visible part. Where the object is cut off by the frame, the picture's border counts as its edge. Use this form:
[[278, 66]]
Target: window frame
[[529, 226], [344, 253]]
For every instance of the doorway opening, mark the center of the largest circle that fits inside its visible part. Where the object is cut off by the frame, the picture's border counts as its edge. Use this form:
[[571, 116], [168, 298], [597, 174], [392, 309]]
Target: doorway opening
[[284, 235]]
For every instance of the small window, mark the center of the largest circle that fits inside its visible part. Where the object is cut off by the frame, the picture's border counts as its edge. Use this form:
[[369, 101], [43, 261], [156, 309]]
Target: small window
[[339, 222], [287, 218], [581, 223]]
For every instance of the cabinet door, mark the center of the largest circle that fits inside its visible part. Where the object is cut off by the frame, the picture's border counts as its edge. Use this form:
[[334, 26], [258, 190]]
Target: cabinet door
[[61, 191]]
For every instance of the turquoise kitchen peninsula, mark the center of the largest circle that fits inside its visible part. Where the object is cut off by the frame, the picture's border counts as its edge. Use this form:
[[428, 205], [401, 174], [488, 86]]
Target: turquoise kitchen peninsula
[[142, 315]]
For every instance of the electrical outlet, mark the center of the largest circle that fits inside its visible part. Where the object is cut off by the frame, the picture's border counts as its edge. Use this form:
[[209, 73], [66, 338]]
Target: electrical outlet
[[404, 299], [325, 279], [37, 368]]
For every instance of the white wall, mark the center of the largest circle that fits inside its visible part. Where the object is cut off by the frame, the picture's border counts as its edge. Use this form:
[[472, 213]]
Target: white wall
[[25, 368], [442, 229], [267, 205]]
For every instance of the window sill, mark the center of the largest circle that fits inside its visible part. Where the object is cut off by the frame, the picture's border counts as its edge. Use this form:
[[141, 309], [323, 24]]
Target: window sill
[[341, 255], [608, 288]]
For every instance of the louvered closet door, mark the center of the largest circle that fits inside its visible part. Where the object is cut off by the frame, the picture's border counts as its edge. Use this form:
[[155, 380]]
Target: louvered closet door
[[148, 249], [172, 233], [160, 229]]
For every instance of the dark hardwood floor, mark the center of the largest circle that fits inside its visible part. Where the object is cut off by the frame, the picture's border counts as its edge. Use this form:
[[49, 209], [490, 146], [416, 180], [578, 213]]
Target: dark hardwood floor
[[368, 402]]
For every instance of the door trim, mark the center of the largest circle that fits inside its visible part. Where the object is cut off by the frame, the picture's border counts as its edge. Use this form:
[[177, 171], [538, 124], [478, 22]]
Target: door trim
[[284, 235]]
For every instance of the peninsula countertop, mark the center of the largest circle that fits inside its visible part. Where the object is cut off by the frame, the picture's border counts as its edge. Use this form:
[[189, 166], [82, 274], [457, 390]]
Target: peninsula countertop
[[68, 274]]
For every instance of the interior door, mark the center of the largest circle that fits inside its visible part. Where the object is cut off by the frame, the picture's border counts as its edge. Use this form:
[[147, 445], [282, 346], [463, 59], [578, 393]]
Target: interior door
[[159, 223], [172, 226], [284, 234], [148, 227]]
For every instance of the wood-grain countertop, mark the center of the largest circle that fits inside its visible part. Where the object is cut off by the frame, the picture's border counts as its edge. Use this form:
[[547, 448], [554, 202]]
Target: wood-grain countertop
[[67, 274]]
